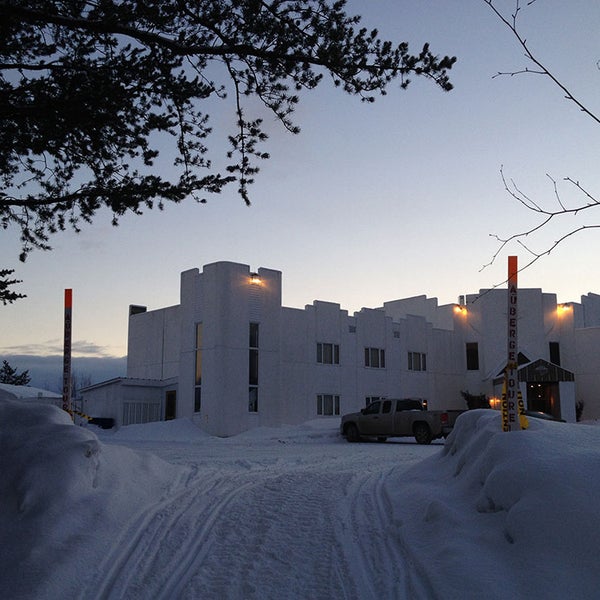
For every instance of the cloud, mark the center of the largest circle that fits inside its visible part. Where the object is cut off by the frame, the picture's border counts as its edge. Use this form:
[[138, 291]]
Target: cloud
[[46, 371], [56, 347]]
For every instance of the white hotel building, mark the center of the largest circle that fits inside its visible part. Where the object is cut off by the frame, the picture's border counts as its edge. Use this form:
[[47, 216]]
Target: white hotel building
[[231, 357]]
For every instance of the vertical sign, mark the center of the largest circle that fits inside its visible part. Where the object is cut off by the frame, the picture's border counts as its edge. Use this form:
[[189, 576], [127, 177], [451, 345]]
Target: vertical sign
[[67, 351], [511, 396]]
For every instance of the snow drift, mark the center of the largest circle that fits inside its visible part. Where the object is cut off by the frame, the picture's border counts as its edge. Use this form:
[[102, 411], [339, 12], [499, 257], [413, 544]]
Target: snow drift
[[489, 514], [513, 514], [63, 496]]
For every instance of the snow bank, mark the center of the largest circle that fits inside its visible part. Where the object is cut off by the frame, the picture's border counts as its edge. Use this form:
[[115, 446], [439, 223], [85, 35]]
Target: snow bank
[[184, 430], [177, 430], [64, 497], [490, 515], [518, 509], [315, 431]]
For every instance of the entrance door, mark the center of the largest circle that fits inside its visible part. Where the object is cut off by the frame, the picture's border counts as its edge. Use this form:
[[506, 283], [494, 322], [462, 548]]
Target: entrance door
[[544, 397], [170, 405]]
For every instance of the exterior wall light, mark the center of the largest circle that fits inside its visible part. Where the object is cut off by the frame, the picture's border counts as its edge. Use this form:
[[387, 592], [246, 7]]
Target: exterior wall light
[[459, 309], [255, 278], [563, 308]]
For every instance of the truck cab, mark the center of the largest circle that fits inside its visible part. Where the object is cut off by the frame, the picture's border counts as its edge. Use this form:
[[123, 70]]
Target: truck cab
[[396, 418]]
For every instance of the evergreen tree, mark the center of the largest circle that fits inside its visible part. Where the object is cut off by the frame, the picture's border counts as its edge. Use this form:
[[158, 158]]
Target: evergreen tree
[[9, 375], [8, 296]]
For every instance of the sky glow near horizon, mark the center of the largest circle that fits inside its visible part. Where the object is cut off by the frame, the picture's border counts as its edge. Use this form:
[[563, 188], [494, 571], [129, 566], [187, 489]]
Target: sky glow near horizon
[[371, 202]]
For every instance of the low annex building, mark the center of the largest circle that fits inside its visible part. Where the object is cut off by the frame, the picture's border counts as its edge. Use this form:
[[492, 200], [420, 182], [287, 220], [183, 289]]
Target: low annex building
[[231, 357]]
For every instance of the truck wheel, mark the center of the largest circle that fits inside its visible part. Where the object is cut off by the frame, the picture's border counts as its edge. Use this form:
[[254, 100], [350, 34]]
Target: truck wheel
[[352, 433], [422, 433]]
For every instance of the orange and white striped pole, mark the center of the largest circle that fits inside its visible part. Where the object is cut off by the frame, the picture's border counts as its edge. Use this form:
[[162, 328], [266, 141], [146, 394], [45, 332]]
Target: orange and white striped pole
[[67, 351], [513, 409], [510, 406]]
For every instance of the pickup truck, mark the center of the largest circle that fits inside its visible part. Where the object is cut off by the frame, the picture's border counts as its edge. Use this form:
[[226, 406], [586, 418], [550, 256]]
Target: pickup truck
[[397, 418]]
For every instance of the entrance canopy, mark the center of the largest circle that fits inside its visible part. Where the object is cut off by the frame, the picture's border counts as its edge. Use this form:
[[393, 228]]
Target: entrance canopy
[[540, 371]]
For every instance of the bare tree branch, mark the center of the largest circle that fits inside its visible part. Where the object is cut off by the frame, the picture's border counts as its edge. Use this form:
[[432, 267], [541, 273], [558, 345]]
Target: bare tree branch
[[547, 214], [94, 96], [511, 24]]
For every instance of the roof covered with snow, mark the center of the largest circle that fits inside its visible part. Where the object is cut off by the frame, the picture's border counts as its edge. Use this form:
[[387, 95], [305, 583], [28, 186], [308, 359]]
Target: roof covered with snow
[[24, 392]]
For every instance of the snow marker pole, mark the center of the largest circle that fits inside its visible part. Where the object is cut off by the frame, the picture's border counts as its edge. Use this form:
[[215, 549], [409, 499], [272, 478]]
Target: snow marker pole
[[510, 403], [67, 351]]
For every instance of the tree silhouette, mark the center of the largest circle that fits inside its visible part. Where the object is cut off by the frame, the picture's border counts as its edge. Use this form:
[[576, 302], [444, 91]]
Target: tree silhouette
[[559, 208], [7, 296], [93, 95], [9, 375]]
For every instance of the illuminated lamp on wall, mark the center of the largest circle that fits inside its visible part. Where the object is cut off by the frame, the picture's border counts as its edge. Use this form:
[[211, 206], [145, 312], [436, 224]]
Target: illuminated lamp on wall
[[495, 403], [255, 278], [460, 309], [563, 308]]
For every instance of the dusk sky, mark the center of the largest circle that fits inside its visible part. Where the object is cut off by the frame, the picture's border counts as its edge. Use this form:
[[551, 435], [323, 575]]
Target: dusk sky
[[370, 202]]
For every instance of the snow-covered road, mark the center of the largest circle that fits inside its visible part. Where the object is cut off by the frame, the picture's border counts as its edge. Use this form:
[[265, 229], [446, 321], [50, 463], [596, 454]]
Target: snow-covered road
[[163, 511], [260, 517]]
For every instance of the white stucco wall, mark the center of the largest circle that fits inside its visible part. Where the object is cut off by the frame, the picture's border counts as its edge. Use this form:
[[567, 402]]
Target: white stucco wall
[[143, 400], [223, 298], [588, 371], [153, 344]]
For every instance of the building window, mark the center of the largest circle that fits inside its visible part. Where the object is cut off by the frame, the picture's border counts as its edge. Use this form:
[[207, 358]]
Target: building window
[[351, 328], [328, 354], [328, 405], [397, 334], [554, 353], [140, 412], [375, 358], [198, 370], [253, 368], [417, 361], [472, 356], [252, 399]]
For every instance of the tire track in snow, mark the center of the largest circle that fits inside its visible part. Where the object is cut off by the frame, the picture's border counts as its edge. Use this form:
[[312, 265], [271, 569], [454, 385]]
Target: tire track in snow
[[163, 541], [365, 540], [415, 582], [278, 542], [383, 567], [272, 530]]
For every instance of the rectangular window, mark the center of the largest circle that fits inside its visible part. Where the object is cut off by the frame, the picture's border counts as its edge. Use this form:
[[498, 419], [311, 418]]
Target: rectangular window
[[328, 405], [554, 353], [328, 354], [375, 358], [417, 361], [198, 369], [253, 368], [253, 399], [253, 341], [198, 398], [472, 356]]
